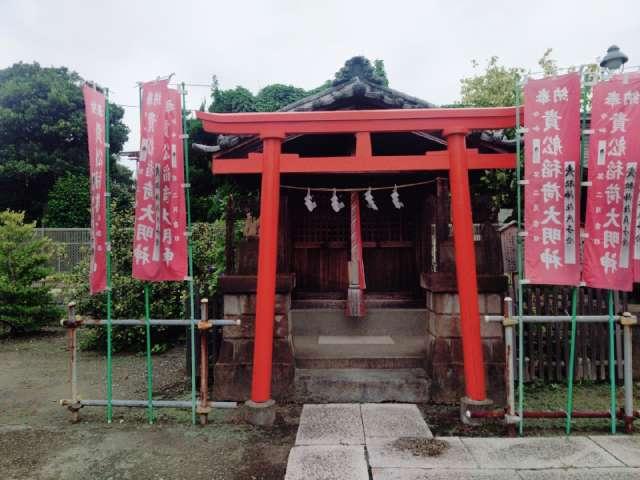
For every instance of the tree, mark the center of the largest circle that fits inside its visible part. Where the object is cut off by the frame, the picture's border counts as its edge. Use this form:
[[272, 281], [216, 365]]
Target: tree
[[169, 298], [68, 203], [379, 70], [495, 87], [207, 203], [274, 97], [235, 100], [43, 134], [69, 200], [25, 302]]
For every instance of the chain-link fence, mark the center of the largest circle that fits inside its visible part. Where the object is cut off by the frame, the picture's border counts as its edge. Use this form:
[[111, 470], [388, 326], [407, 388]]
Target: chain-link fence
[[75, 245]]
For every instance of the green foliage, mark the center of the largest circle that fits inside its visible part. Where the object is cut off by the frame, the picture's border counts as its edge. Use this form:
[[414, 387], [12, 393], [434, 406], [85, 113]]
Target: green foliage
[[274, 97], [379, 70], [547, 63], [68, 203], [25, 302], [234, 100], [495, 87], [168, 299], [207, 206], [43, 133]]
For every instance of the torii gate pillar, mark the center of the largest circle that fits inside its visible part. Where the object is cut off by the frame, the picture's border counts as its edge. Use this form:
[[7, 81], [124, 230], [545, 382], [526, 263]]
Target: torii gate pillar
[[465, 264], [267, 264]]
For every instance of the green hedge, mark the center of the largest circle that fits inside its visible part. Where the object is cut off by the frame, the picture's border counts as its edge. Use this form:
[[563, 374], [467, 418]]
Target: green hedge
[[168, 299]]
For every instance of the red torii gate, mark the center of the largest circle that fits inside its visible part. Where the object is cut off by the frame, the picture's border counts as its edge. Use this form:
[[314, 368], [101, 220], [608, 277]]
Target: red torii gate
[[454, 123]]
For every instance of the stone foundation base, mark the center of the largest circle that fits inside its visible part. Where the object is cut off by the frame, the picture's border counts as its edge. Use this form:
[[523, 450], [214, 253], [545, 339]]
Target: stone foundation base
[[443, 362], [232, 373], [261, 414]]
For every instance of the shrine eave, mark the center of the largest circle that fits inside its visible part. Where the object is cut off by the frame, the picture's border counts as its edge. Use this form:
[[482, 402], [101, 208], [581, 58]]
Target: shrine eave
[[279, 124]]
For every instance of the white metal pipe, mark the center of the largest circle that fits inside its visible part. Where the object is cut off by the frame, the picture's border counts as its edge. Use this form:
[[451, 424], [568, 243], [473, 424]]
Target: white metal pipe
[[628, 372], [509, 345], [156, 403], [169, 322], [550, 318]]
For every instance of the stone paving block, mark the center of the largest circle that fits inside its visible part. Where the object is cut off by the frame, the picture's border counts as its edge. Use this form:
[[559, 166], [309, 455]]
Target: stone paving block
[[393, 420], [330, 424], [624, 448], [382, 454], [440, 474], [581, 474], [322, 462], [530, 453]]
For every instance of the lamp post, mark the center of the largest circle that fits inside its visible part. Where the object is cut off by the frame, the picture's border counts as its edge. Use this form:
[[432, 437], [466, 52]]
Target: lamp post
[[614, 59]]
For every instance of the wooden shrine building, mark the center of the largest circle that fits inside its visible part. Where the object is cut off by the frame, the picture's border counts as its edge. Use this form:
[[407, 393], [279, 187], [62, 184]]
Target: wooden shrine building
[[359, 302]]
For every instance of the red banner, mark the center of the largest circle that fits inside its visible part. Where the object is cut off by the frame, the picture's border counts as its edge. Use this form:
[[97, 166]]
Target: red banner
[[94, 108], [551, 194], [159, 241], [612, 247]]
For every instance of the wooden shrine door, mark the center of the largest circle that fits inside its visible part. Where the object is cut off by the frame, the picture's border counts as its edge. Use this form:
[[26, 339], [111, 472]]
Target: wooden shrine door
[[321, 246]]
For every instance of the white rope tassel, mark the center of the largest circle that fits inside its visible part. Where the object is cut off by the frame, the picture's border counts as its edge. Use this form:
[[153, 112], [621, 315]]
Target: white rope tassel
[[395, 198], [336, 204], [308, 201], [368, 196]]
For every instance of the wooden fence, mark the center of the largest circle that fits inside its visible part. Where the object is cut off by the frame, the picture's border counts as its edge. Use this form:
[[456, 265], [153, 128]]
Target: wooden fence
[[546, 345]]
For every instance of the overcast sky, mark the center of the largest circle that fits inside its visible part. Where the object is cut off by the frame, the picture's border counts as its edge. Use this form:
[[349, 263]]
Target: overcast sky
[[427, 46]]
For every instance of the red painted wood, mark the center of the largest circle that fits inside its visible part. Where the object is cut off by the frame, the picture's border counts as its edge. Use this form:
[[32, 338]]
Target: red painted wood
[[291, 163], [267, 260], [466, 268], [351, 121], [273, 127]]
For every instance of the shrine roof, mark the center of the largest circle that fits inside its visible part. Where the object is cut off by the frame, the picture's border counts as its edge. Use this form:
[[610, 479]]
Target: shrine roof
[[353, 94], [357, 87]]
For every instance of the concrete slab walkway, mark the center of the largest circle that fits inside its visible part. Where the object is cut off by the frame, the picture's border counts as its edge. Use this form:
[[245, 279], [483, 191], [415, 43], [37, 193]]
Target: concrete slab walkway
[[357, 442]]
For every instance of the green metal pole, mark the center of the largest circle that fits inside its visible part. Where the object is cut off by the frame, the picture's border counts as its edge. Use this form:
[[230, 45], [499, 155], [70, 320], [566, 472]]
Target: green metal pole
[[187, 191], [520, 269], [576, 290], [147, 326], [107, 156], [612, 369]]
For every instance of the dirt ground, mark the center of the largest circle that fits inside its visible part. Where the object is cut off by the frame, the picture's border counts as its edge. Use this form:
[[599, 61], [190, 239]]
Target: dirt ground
[[37, 440]]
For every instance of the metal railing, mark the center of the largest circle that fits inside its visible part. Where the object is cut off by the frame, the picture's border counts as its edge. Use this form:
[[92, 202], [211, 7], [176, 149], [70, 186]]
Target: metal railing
[[204, 325], [513, 417]]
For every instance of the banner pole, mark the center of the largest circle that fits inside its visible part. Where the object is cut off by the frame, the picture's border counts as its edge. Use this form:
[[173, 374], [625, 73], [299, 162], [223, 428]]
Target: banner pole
[[187, 191], [107, 195], [612, 369], [519, 266], [147, 326], [575, 294]]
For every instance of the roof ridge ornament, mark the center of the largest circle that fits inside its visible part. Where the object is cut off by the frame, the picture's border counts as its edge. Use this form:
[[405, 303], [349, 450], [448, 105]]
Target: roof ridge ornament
[[359, 67]]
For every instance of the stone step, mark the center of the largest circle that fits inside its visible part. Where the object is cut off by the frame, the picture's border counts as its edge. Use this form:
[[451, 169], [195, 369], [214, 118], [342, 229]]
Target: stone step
[[340, 303], [376, 352], [383, 321], [361, 385]]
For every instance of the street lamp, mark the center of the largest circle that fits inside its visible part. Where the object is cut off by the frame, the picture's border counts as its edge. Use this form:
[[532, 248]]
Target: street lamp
[[614, 59]]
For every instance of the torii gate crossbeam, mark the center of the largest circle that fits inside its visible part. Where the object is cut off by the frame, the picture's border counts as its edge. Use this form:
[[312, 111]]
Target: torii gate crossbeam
[[454, 124]]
